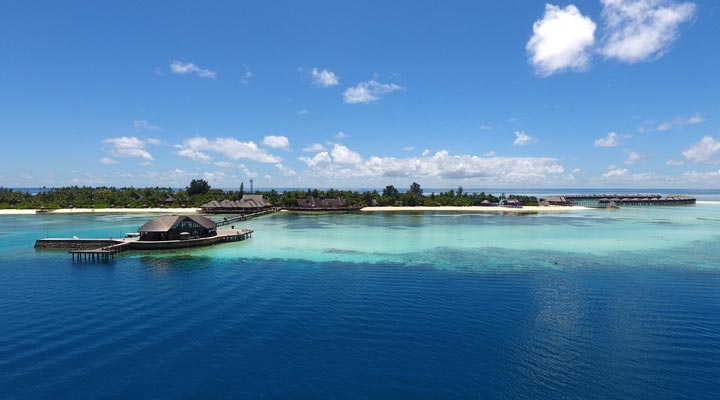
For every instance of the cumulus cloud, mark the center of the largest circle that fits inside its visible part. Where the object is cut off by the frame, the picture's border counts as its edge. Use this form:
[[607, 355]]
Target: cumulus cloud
[[705, 151], [342, 162], [633, 158], [319, 160], [343, 155], [128, 147], [197, 148], [523, 139], [324, 78], [144, 125], [639, 30], [561, 40], [368, 92], [183, 68], [341, 135], [680, 122], [276, 142], [611, 140], [314, 148], [618, 175]]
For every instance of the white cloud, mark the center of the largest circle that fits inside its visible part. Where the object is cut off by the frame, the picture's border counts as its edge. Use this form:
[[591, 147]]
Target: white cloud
[[128, 147], [561, 40], [183, 68], [408, 148], [341, 135], [609, 141], [197, 148], [425, 152], [108, 161], [639, 30], [246, 76], [276, 142], [614, 172], [523, 139], [324, 78], [701, 177], [368, 92], [616, 175], [576, 170], [144, 125], [680, 122], [303, 112], [224, 164], [343, 155], [633, 158], [314, 148], [490, 153], [674, 162], [345, 163], [319, 160], [286, 171], [703, 151], [247, 172]]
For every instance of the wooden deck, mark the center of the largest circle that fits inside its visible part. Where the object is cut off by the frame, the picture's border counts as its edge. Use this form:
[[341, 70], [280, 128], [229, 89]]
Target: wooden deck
[[81, 251]]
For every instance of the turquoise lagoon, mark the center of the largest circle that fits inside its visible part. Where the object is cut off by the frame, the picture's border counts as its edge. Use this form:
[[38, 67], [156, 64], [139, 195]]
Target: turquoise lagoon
[[580, 304]]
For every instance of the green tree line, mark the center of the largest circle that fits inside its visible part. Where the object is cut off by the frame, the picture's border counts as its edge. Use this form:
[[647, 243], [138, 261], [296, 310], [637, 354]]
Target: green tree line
[[200, 192]]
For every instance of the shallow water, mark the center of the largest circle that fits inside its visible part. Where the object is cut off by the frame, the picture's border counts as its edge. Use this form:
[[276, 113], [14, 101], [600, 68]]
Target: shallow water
[[589, 304]]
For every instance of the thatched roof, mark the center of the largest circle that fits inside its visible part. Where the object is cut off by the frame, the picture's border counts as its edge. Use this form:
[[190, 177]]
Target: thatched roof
[[167, 222], [255, 200]]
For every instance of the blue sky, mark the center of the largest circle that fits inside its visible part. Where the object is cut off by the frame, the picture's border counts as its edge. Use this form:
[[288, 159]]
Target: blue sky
[[611, 93]]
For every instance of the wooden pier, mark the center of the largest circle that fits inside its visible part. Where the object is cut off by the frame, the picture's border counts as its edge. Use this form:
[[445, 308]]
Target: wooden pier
[[104, 250], [104, 253], [245, 217]]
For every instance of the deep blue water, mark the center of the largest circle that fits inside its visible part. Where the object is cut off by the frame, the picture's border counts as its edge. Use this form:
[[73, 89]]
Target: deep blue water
[[203, 325]]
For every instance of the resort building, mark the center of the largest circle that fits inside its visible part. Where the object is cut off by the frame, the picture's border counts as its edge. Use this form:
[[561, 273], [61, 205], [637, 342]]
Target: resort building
[[321, 202], [178, 227], [618, 200], [249, 203]]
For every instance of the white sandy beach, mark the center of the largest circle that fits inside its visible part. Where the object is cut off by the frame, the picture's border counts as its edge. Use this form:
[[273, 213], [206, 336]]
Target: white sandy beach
[[524, 209], [106, 211]]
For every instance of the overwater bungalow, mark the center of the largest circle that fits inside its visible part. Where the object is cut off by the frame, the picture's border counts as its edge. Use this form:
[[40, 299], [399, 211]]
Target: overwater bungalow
[[178, 227], [608, 200], [249, 203], [323, 204]]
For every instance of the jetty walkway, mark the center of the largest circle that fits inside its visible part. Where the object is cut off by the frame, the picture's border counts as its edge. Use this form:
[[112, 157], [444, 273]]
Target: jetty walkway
[[245, 217]]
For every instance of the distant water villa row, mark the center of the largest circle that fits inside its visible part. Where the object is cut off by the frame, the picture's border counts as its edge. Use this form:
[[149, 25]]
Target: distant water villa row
[[616, 200]]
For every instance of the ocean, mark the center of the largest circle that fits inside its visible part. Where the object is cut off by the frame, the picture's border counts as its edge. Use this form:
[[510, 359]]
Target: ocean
[[591, 304]]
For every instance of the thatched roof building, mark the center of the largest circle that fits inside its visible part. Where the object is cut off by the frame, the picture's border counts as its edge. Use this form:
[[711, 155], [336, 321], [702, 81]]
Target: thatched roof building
[[178, 227], [248, 203]]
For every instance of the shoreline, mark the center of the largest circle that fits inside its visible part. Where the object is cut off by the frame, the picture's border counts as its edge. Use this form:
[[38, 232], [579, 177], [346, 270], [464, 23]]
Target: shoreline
[[524, 209]]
